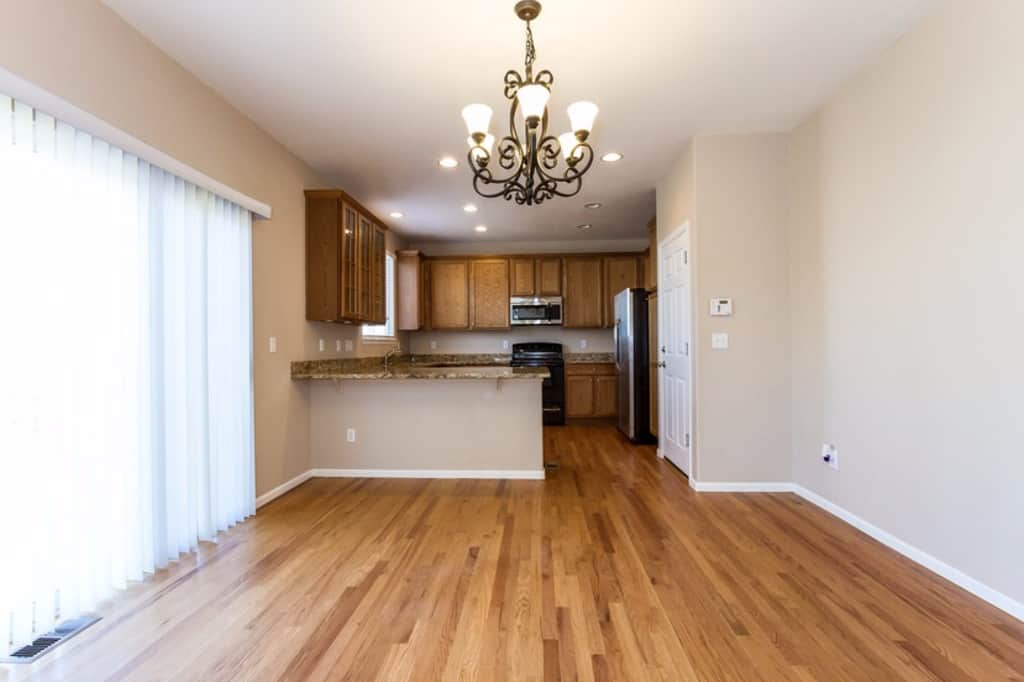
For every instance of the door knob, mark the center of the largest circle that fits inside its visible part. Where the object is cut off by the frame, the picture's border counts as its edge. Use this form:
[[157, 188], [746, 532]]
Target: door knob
[[663, 349]]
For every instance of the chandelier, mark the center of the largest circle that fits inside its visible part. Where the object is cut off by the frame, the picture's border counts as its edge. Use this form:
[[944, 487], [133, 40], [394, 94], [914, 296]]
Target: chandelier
[[527, 169]]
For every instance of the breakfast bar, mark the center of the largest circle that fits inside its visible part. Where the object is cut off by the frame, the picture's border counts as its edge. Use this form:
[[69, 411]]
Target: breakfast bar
[[410, 419]]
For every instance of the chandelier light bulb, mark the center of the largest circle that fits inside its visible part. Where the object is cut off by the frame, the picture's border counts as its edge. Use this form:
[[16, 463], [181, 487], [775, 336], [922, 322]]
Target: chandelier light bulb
[[581, 118], [533, 100], [481, 152], [570, 150], [477, 118]]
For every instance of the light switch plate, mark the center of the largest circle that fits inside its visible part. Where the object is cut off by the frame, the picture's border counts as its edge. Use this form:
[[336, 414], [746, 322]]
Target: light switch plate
[[504, 344], [433, 345], [348, 345], [323, 345], [583, 344], [273, 344], [350, 435], [721, 307], [337, 345], [720, 341]]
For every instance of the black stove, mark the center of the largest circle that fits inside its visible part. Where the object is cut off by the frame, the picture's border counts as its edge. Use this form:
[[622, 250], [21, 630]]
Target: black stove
[[545, 355]]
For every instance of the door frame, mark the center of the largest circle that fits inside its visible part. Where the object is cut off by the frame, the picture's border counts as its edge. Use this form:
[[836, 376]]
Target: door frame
[[683, 229]]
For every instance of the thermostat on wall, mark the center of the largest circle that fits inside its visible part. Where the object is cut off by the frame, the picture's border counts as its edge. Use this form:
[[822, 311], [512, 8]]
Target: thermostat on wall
[[721, 307]]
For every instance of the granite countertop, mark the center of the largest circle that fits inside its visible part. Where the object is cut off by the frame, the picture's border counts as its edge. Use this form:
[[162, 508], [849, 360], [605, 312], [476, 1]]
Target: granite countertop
[[405, 368]]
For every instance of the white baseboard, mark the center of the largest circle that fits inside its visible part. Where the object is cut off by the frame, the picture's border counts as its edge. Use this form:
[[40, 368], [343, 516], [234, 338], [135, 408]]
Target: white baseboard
[[511, 474], [740, 487], [955, 576], [283, 488]]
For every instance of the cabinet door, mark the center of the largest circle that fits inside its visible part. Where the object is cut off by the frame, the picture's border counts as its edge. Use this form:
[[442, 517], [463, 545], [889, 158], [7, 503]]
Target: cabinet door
[[408, 307], [579, 396], [349, 262], [489, 294], [549, 276], [523, 279], [378, 277], [364, 279], [605, 394], [620, 272], [449, 294], [583, 302]]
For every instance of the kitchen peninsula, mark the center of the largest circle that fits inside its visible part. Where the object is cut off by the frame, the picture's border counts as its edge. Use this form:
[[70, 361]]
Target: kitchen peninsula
[[410, 418]]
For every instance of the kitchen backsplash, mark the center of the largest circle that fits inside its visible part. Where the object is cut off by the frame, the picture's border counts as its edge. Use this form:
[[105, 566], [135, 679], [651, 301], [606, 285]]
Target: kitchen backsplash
[[595, 340]]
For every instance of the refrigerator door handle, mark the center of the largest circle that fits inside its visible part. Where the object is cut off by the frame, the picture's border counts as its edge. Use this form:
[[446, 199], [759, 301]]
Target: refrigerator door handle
[[615, 341]]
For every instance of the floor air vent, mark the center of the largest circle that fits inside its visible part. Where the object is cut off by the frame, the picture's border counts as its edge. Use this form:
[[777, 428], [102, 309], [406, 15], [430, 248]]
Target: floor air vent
[[46, 643], [551, 466]]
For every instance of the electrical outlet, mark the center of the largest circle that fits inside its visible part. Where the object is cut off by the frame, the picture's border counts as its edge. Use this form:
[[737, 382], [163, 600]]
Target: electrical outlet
[[504, 344], [720, 341], [830, 455], [350, 435], [433, 345], [323, 346], [273, 344], [337, 345], [583, 344], [348, 345]]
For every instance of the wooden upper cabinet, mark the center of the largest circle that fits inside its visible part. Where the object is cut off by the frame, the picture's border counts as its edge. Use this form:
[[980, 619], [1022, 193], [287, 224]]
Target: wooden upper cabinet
[[536, 276], [549, 276], [378, 276], [344, 260], [583, 304], [489, 287], [620, 272], [449, 294], [323, 259], [651, 266], [409, 307], [524, 277]]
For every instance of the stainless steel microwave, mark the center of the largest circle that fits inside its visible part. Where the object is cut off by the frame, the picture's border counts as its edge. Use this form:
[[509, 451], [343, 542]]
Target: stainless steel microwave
[[527, 310]]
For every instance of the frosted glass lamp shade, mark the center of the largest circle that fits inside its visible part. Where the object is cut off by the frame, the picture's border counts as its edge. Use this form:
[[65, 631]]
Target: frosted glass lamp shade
[[533, 99], [581, 117], [477, 118]]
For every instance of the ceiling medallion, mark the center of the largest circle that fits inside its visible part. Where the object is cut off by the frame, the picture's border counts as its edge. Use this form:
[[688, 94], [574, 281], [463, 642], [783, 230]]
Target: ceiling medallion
[[529, 166]]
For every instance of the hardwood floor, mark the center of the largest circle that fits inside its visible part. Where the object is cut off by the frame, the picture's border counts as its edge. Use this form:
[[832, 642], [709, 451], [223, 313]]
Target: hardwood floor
[[613, 568]]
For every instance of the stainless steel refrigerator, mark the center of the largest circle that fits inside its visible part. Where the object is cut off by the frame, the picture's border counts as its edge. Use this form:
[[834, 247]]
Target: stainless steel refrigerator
[[631, 363]]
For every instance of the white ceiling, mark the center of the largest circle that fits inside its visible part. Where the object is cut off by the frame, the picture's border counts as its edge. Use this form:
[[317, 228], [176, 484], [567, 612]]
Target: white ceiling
[[370, 93]]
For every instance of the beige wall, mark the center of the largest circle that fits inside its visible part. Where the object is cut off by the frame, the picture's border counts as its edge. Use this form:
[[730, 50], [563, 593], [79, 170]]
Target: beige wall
[[440, 425], [907, 237], [732, 191], [83, 52], [598, 340]]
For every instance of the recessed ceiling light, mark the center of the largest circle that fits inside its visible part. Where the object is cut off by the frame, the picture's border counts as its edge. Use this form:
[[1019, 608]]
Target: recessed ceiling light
[[396, 214], [480, 228], [585, 226], [593, 204], [447, 162], [611, 157], [469, 208]]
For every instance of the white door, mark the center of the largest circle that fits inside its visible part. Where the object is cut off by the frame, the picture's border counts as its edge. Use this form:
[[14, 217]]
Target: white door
[[674, 350]]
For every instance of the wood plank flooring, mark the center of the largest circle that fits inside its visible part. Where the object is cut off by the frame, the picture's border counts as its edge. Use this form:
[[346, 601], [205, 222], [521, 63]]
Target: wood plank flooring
[[612, 569]]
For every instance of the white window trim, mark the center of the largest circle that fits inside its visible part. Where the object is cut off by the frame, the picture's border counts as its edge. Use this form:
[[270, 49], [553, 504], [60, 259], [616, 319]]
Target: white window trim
[[391, 305]]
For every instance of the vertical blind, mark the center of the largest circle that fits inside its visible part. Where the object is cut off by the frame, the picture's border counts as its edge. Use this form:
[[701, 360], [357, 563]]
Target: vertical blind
[[126, 426]]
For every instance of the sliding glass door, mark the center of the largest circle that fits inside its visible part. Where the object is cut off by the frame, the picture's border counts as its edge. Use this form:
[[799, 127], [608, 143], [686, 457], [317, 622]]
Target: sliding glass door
[[126, 432]]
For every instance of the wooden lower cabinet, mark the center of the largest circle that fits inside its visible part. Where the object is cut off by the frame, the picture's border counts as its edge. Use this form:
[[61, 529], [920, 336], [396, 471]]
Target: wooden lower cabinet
[[590, 390]]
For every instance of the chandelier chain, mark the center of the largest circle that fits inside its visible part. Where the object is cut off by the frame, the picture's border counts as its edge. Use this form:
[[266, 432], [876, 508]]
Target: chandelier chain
[[531, 52]]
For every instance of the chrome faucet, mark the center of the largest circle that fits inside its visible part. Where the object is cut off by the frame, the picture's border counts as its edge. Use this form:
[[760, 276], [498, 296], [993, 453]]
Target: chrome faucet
[[390, 354]]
